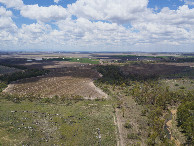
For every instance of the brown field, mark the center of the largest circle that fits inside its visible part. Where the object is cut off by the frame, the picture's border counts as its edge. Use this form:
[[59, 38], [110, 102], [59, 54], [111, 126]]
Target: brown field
[[61, 82], [44, 55], [52, 64], [191, 64]]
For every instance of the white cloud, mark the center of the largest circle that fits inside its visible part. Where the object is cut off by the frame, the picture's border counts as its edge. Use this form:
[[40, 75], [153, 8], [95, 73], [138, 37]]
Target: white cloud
[[56, 1], [43, 13], [188, 2], [34, 33], [17, 4], [8, 28], [99, 24], [4, 12], [111, 10], [6, 22], [36, 12]]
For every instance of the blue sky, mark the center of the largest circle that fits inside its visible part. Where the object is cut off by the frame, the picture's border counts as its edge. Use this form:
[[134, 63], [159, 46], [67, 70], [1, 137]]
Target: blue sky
[[100, 25]]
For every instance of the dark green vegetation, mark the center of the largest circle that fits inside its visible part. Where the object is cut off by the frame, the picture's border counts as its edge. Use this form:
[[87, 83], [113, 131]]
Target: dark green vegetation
[[112, 74], [14, 66], [81, 60], [3, 85], [185, 117], [156, 99], [28, 73], [56, 121]]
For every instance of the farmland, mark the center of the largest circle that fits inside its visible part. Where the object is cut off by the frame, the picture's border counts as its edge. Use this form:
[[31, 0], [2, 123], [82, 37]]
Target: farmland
[[81, 60], [66, 100]]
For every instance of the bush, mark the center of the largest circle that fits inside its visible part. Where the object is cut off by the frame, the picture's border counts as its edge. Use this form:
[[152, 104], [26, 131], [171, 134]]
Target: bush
[[127, 125], [22, 75], [143, 112], [13, 98], [46, 100], [185, 118], [182, 87], [2, 86], [133, 136]]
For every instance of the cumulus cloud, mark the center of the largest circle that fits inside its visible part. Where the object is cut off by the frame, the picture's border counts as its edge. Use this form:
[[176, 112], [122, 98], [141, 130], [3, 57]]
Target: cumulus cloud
[[188, 2], [43, 13], [111, 10], [6, 22], [8, 28], [56, 1], [36, 12], [17, 4], [98, 24], [34, 33]]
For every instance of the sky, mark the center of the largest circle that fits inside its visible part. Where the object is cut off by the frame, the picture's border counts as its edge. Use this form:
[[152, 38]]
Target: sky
[[97, 25]]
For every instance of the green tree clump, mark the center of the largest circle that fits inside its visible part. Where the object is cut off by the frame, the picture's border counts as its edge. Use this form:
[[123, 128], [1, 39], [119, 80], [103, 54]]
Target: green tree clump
[[185, 118], [22, 75]]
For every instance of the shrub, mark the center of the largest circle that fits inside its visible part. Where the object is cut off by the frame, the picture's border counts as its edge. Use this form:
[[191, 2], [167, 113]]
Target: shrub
[[133, 136], [185, 116], [127, 125], [182, 87], [143, 112]]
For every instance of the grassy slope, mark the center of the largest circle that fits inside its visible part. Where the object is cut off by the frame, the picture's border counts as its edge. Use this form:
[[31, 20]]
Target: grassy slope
[[70, 123]]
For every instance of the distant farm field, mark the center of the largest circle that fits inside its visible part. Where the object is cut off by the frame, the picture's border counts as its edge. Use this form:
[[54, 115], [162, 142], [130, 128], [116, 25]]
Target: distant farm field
[[81, 60]]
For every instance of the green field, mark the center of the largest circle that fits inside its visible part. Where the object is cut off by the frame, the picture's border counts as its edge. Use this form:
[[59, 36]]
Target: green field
[[61, 123]]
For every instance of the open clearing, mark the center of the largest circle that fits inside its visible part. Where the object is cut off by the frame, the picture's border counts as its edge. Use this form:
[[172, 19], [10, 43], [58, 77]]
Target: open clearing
[[68, 123], [61, 82]]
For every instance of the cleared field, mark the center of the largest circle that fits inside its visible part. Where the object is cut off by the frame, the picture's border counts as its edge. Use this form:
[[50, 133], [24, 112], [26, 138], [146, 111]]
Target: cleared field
[[52, 64], [68, 123], [61, 82], [7, 70]]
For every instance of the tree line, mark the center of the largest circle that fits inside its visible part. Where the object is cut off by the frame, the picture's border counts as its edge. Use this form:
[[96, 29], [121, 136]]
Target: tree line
[[148, 91]]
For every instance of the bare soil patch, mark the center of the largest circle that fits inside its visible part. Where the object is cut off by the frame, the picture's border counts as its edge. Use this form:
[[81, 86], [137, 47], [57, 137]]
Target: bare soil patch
[[61, 82]]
